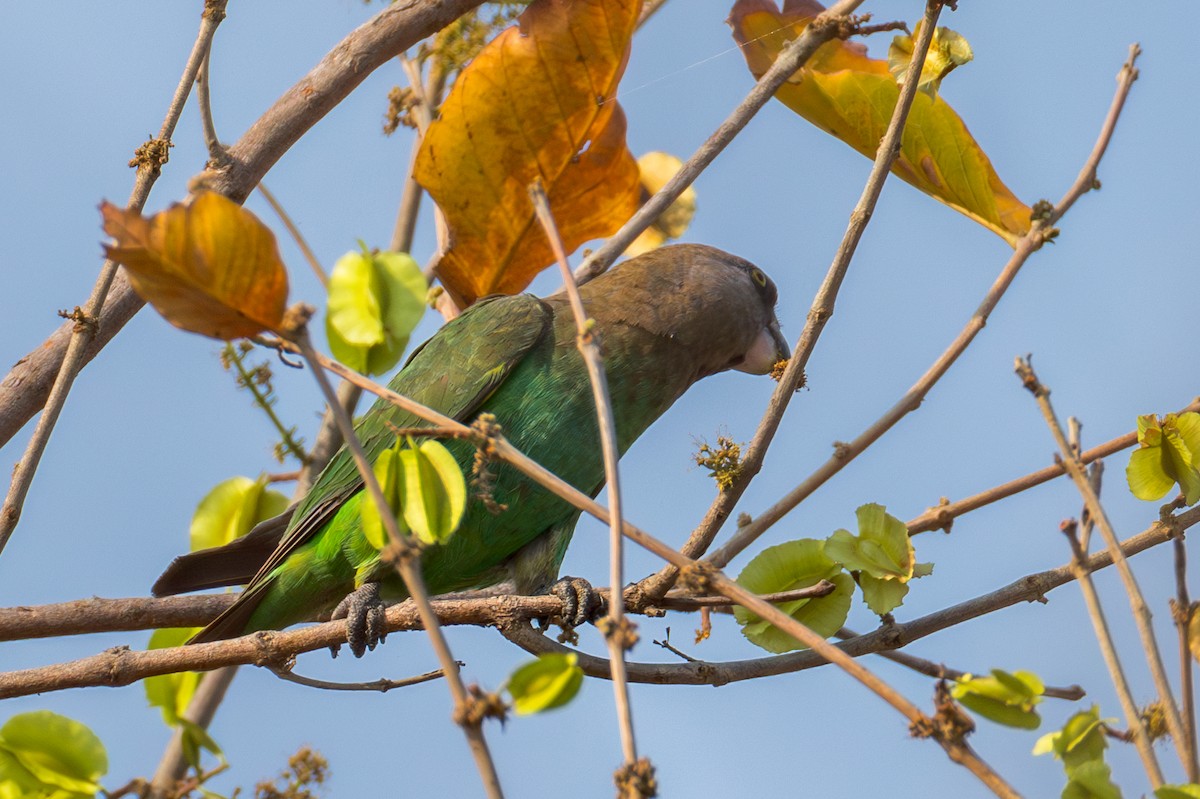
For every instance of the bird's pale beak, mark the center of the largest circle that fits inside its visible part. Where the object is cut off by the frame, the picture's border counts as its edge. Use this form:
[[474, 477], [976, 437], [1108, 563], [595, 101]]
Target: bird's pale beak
[[769, 348]]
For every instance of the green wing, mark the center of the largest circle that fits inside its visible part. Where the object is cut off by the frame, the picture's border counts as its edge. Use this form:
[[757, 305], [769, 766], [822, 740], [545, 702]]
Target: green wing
[[454, 372]]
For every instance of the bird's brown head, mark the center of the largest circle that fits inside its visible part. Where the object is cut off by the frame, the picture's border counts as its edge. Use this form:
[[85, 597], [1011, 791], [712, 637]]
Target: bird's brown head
[[721, 308]]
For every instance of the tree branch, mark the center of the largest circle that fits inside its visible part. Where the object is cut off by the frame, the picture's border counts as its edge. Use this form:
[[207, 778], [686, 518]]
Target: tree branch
[[818, 316], [1025, 247], [394, 29], [1137, 601], [825, 27], [83, 330]]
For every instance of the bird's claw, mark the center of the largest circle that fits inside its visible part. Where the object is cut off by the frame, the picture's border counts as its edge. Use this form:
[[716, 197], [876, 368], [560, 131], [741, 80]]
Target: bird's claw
[[366, 619], [581, 603]]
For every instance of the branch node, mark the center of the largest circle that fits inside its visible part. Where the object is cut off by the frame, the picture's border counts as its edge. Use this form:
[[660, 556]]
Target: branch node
[[696, 577], [478, 706], [636, 780], [622, 632], [151, 155]]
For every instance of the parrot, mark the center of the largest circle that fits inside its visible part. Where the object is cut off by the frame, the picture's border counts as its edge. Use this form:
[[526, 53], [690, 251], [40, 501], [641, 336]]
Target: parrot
[[664, 320]]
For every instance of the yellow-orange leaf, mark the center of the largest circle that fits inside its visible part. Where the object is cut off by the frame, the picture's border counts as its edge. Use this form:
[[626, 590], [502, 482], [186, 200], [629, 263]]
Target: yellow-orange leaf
[[536, 103], [209, 266], [851, 96]]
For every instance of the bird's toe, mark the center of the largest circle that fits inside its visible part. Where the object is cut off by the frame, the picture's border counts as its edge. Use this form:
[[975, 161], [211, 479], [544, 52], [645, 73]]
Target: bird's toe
[[581, 602], [366, 619]]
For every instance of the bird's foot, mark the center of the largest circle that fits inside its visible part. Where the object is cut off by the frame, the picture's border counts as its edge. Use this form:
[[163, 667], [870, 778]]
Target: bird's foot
[[581, 603], [366, 620]]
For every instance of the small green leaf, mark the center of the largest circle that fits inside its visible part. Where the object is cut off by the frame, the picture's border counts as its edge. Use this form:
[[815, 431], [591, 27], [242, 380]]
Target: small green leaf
[[1169, 454], [51, 755], [1092, 780], [1080, 741], [881, 554], [795, 564], [435, 493], [194, 739], [1004, 698], [231, 509], [375, 301], [171, 693], [389, 474], [1189, 791], [947, 50], [546, 683]]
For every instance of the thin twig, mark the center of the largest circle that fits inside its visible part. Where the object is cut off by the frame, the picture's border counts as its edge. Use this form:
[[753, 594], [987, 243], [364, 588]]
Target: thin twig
[[1030, 588], [84, 329], [825, 27], [407, 564], [397, 27], [939, 517], [940, 671], [120, 666], [200, 711], [616, 635], [295, 233], [428, 96], [818, 315], [1112, 660], [246, 379], [1137, 602], [381, 685], [1181, 612], [912, 399]]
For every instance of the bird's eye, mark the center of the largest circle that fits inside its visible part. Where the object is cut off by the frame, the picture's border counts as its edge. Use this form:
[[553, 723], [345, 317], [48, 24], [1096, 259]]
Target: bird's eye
[[758, 276]]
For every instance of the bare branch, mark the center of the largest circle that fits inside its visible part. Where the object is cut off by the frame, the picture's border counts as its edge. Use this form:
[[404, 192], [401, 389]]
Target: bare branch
[[1025, 247], [381, 685], [1137, 602], [818, 315], [83, 331], [393, 30], [940, 516], [615, 632], [825, 27], [404, 556]]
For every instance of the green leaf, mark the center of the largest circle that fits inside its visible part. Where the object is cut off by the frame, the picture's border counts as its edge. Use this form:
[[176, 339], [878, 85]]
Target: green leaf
[[947, 50], [1004, 698], [1080, 741], [435, 493], [1189, 791], [194, 739], [171, 693], [51, 755], [546, 683], [389, 474], [375, 301], [795, 564], [1169, 454], [882, 555], [1092, 780], [231, 509]]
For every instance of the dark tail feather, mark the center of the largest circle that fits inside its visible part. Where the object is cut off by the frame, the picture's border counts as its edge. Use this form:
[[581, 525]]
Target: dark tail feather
[[234, 619], [233, 564]]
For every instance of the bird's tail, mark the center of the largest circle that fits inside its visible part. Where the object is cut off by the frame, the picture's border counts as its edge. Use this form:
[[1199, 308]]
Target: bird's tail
[[233, 564]]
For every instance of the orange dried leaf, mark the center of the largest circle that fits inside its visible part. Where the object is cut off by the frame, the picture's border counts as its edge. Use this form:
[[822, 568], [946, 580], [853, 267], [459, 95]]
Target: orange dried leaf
[[209, 266], [536, 103], [851, 96]]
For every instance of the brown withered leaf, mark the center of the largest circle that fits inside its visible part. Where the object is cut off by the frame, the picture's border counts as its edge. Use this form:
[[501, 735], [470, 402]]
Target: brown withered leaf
[[536, 103], [209, 266], [851, 96]]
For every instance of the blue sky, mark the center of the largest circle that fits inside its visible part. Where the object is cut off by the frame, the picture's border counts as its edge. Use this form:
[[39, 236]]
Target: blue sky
[[1108, 312]]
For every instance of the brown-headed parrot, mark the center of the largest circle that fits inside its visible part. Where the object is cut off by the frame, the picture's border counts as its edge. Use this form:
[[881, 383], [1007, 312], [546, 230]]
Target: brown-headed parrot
[[664, 320]]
